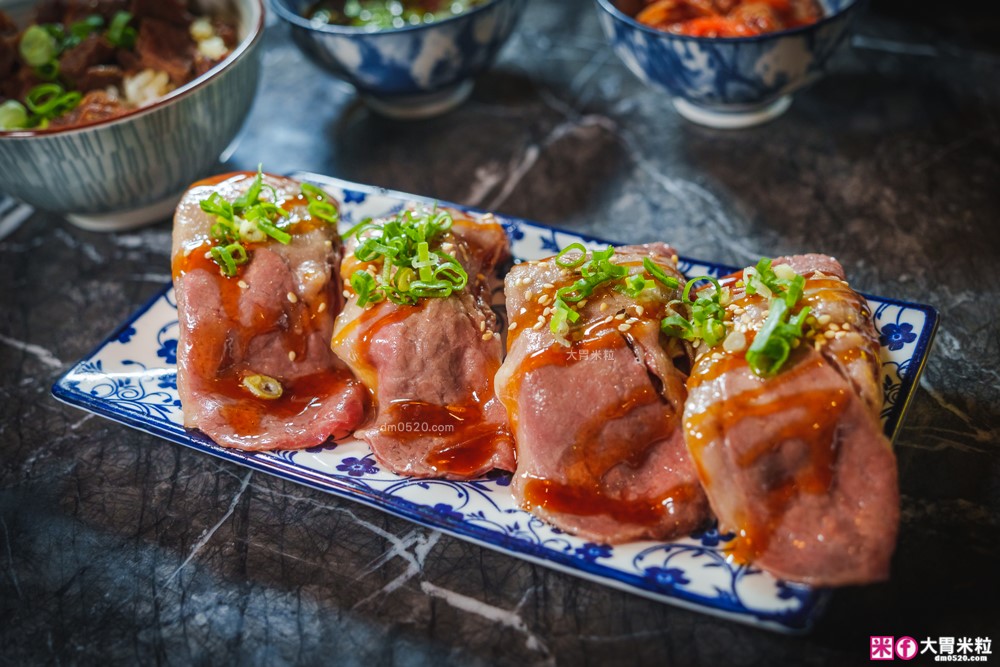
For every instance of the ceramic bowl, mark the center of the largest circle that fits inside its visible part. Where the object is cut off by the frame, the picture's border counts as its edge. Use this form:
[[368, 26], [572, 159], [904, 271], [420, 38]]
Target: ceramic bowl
[[412, 72], [729, 82], [131, 170]]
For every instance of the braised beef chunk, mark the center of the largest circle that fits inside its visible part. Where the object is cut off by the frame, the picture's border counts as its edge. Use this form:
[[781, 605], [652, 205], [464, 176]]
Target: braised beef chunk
[[166, 47], [50, 11], [600, 448], [8, 46], [430, 366], [796, 463], [93, 51], [169, 11], [268, 327], [100, 77], [95, 106]]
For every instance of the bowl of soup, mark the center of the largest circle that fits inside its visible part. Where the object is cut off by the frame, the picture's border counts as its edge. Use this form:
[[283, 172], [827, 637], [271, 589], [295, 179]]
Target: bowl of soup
[[406, 58], [109, 110], [728, 63]]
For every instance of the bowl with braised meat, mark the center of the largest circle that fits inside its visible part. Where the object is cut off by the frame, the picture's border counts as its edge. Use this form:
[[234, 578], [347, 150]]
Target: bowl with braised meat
[[406, 58], [728, 63], [109, 109]]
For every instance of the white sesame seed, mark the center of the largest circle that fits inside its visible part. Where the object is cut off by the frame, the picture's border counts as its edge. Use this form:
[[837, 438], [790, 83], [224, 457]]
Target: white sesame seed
[[512, 326], [840, 334], [347, 295], [548, 286], [824, 320], [528, 295], [620, 316], [524, 310], [538, 324], [208, 255], [243, 284], [488, 335], [834, 326], [640, 311], [322, 307], [583, 302], [291, 355], [604, 306], [544, 299], [547, 311], [292, 298], [482, 325], [624, 327], [829, 334]]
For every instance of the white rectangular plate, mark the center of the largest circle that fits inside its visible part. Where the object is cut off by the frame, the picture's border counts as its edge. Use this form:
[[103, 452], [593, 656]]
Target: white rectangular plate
[[131, 378]]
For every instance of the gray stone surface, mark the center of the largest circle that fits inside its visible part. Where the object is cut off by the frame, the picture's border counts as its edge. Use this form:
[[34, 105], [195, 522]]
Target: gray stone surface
[[119, 547]]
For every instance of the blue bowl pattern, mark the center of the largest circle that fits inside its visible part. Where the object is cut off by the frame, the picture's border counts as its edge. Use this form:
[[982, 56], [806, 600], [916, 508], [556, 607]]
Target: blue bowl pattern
[[733, 74], [415, 60]]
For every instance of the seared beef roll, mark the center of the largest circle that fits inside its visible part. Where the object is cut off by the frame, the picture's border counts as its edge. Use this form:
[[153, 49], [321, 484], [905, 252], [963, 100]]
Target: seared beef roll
[[595, 393], [419, 332], [255, 267], [782, 421]]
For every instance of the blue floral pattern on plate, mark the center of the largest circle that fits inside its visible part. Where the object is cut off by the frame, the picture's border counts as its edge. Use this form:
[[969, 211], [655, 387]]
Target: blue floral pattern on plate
[[131, 378]]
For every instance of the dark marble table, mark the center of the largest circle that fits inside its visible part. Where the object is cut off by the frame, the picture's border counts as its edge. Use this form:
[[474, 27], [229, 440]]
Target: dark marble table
[[116, 545]]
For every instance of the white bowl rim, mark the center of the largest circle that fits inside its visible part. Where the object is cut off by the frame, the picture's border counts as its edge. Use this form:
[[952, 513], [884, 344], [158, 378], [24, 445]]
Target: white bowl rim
[[610, 7], [253, 36], [300, 21]]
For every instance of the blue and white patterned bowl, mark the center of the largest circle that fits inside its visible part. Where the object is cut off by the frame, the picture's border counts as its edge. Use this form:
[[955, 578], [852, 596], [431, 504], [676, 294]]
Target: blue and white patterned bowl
[[729, 82], [412, 72], [131, 170]]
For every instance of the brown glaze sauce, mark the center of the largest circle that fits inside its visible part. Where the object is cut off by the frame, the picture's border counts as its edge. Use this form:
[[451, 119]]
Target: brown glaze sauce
[[583, 500]]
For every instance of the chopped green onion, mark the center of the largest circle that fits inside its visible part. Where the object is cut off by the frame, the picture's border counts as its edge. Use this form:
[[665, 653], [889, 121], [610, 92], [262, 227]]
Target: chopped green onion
[[263, 386], [659, 274], [313, 193], [364, 285], [82, 29], [48, 101], [13, 115], [572, 264], [217, 205], [120, 34], [635, 285], [38, 46], [706, 315], [225, 260], [274, 232], [252, 194], [775, 340], [324, 210], [410, 268]]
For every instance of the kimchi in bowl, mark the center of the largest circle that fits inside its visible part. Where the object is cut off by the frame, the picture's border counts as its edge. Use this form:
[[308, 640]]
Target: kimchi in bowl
[[726, 81], [130, 169]]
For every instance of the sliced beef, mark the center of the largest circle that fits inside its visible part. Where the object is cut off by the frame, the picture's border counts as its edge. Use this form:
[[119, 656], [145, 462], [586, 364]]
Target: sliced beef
[[797, 463], [274, 319], [93, 51], [166, 47], [597, 418], [430, 370]]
